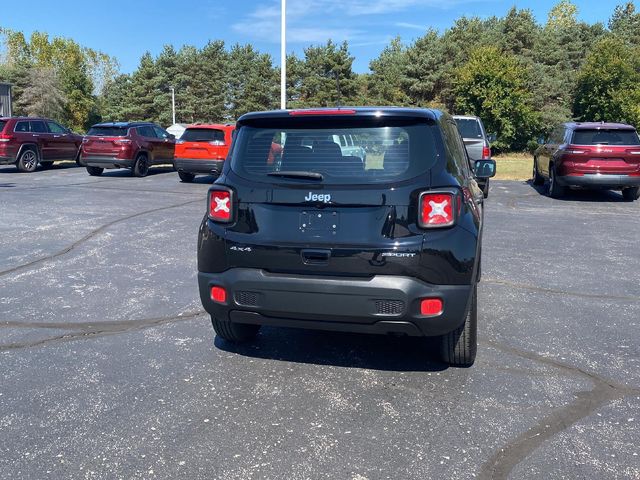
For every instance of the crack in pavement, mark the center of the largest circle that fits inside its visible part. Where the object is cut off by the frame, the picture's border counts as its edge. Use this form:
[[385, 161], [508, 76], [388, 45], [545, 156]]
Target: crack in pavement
[[88, 330], [554, 291], [604, 391], [89, 236]]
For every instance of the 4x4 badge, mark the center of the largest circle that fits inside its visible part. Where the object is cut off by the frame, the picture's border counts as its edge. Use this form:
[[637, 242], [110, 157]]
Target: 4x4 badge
[[318, 197], [240, 249]]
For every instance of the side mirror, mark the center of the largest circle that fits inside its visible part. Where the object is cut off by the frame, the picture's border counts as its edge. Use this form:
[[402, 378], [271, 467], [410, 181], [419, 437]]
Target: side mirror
[[485, 168], [492, 137]]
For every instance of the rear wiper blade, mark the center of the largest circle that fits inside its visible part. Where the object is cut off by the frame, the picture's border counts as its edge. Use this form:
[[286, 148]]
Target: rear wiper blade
[[297, 174]]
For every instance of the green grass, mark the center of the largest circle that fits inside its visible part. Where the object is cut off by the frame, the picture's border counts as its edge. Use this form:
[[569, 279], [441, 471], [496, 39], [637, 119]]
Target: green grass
[[513, 166], [510, 166]]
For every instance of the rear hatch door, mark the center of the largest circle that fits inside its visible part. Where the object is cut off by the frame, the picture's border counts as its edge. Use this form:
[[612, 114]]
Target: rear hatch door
[[472, 135], [313, 209], [604, 152], [202, 143], [105, 140]]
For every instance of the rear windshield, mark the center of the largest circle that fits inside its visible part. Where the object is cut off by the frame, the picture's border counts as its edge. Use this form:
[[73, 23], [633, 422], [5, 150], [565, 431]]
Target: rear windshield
[[605, 137], [2, 124], [202, 135], [108, 131], [377, 153], [469, 128]]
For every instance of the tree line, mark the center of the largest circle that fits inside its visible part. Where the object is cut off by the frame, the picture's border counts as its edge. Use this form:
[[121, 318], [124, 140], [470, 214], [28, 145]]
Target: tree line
[[521, 77]]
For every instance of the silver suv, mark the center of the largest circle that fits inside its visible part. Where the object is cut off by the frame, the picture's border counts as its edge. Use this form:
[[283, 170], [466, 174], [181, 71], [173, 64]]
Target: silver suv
[[476, 141]]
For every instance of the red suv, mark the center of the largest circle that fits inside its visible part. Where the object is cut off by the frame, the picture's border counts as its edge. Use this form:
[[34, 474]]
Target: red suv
[[27, 142], [590, 155], [134, 145], [202, 149]]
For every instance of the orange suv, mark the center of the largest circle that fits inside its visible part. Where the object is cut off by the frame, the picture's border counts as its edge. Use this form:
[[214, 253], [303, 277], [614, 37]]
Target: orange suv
[[202, 149]]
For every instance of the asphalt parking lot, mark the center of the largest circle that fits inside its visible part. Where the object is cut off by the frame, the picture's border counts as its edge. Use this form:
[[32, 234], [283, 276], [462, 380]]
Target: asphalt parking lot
[[109, 368]]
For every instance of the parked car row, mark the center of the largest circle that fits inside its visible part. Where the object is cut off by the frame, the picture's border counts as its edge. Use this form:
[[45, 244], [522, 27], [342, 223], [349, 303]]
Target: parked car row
[[28, 142], [584, 155]]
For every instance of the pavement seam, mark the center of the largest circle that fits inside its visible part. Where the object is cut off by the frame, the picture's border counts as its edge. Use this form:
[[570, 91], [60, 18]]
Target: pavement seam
[[604, 391], [96, 329], [89, 236]]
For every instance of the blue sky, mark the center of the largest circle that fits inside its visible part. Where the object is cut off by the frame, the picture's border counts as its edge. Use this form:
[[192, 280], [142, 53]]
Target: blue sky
[[128, 29]]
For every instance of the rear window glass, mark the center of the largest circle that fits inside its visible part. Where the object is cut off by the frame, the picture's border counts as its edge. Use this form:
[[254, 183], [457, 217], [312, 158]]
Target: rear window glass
[[108, 131], [605, 137], [378, 153], [2, 124], [469, 128], [202, 135]]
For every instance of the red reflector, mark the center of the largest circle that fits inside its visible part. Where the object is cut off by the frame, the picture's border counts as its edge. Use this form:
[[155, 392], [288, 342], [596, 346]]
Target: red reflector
[[436, 210], [486, 153], [220, 205], [431, 306], [337, 111], [218, 294]]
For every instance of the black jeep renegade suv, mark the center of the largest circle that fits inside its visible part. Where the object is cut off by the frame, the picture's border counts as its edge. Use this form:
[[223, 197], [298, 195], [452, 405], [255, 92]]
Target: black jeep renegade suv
[[300, 233]]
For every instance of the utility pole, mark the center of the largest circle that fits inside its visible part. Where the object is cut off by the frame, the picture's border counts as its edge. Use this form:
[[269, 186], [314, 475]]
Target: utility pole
[[173, 105], [283, 55]]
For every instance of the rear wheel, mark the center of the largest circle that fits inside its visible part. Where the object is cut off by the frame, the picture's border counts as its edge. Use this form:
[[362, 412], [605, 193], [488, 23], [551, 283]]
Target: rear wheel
[[555, 190], [28, 161], [458, 348], [630, 194], [186, 177], [234, 332], [48, 164], [536, 177], [141, 167], [95, 171]]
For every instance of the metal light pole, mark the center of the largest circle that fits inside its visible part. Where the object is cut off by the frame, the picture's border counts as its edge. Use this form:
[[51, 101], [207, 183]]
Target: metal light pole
[[173, 104], [283, 55]]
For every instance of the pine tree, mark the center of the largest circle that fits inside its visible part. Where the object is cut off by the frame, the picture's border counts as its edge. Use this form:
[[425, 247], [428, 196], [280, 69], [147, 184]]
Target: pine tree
[[385, 86]]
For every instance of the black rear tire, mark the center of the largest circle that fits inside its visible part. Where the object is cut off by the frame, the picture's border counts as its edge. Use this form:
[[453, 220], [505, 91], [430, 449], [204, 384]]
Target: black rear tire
[[537, 179], [234, 332], [27, 161], [458, 348], [630, 194], [141, 167], [186, 177], [95, 171], [555, 190]]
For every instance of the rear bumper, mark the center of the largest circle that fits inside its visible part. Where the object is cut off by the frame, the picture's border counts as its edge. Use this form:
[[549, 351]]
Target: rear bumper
[[106, 161], [381, 304], [189, 165], [599, 180]]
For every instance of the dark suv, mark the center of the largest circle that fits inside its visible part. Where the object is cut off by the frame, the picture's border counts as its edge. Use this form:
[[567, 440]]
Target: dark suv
[[314, 238], [27, 142], [476, 141], [134, 145], [590, 155]]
